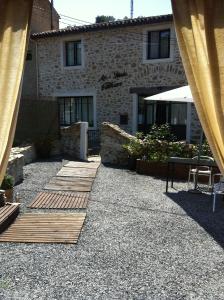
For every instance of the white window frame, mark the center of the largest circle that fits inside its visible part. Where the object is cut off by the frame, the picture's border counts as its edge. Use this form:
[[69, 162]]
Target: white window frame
[[63, 54], [145, 43], [82, 93]]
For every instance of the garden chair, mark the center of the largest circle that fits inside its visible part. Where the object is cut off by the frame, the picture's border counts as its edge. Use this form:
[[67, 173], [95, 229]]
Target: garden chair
[[218, 189], [201, 171]]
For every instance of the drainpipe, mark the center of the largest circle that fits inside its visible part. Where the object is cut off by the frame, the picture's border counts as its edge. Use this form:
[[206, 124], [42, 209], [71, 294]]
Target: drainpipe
[[52, 6]]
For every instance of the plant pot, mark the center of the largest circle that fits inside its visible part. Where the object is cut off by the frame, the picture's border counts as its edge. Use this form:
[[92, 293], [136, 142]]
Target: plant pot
[[9, 195]]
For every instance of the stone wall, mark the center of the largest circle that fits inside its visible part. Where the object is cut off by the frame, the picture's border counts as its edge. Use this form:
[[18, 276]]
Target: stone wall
[[113, 67], [70, 141], [41, 16], [37, 120], [20, 156], [112, 140]]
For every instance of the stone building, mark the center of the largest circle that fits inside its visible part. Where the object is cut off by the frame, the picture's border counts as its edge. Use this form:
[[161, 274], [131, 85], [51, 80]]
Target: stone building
[[44, 17], [102, 72]]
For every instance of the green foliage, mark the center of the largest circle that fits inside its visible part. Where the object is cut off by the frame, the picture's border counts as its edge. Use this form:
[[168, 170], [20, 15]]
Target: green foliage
[[7, 183], [160, 144], [162, 132], [103, 19], [134, 147]]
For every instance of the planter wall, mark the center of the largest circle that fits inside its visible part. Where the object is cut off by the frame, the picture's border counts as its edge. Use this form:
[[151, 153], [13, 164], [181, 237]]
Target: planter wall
[[159, 169]]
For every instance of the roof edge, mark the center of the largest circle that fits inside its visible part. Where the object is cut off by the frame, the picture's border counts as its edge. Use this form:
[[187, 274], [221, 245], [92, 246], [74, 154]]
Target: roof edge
[[104, 26]]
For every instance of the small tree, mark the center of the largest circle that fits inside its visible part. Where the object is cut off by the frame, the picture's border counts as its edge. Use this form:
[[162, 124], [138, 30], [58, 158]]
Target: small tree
[[102, 19]]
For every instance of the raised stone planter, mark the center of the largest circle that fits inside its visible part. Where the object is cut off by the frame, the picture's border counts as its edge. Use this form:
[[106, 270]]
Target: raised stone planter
[[15, 167], [28, 152], [159, 169], [70, 140], [112, 140]]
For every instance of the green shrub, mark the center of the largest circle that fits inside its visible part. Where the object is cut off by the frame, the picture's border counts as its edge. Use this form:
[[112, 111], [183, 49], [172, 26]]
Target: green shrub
[[160, 144], [134, 148], [7, 183]]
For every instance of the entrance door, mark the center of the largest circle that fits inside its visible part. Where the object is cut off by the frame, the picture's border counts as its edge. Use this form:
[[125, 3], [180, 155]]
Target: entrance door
[[161, 113]]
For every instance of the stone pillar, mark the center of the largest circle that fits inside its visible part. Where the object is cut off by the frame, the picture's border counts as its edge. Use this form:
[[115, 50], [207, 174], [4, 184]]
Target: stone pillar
[[83, 140]]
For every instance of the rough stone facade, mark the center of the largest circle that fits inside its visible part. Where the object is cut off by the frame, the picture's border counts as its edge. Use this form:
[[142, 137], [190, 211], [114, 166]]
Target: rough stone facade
[[114, 70], [41, 16], [40, 21], [113, 57], [112, 140], [70, 141]]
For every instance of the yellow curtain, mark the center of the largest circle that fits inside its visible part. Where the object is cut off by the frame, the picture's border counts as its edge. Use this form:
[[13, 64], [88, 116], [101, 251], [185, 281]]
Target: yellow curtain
[[14, 30], [200, 32]]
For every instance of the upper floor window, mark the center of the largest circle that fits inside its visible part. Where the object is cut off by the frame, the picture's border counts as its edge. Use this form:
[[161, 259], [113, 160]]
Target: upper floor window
[[73, 53], [158, 44]]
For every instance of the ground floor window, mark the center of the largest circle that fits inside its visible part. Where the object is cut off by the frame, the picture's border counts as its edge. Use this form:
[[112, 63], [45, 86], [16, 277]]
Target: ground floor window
[[161, 112], [76, 109]]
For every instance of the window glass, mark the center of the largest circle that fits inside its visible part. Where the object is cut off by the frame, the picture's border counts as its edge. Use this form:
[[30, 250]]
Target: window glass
[[67, 114], [76, 109], [90, 105], [149, 114], [73, 53], [178, 113], [154, 44], [159, 44], [165, 44]]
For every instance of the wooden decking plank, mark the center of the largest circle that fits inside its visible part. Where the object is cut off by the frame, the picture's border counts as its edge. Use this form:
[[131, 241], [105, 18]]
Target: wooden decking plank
[[61, 200], [78, 164], [45, 228], [77, 172]]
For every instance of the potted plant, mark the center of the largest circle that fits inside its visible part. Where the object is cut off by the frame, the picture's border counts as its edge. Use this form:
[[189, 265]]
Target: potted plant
[[7, 186]]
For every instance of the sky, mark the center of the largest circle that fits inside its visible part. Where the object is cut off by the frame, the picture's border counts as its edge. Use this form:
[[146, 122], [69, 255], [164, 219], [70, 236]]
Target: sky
[[87, 10]]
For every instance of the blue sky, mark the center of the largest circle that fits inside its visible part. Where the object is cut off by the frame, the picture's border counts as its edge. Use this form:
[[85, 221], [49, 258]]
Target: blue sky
[[87, 10]]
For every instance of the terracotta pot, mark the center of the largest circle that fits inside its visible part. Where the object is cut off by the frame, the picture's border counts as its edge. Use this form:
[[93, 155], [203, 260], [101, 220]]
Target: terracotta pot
[[9, 195]]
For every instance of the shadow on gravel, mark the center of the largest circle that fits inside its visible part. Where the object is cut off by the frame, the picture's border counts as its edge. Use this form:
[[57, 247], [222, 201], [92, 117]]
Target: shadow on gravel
[[199, 208]]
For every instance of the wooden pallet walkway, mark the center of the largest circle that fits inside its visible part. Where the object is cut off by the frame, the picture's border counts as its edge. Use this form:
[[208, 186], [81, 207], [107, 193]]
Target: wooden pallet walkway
[[60, 200], [45, 228], [72, 184], [77, 172], [79, 164], [8, 213]]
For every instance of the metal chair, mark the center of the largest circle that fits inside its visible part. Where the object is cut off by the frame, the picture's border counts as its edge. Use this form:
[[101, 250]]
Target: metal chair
[[217, 189], [201, 171]]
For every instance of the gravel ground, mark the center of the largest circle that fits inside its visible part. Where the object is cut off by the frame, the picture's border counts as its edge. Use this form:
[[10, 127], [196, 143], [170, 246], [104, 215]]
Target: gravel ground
[[137, 243]]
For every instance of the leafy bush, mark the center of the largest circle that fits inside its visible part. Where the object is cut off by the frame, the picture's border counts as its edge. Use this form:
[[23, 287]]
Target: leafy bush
[[160, 144], [7, 183], [162, 132], [134, 148]]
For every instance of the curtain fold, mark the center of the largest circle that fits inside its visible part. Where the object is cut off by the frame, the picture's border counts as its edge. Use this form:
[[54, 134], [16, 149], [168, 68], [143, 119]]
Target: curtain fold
[[199, 26], [14, 30]]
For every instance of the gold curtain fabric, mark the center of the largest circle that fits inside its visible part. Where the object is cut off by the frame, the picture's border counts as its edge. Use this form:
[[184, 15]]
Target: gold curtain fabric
[[14, 30], [200, 32]]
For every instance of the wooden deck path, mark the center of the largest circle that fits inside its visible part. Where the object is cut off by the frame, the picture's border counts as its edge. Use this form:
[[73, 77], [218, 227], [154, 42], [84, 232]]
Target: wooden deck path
[[87, 165], [72, 184], [77, 172], [60, 200], [45, 228], [8, 213]]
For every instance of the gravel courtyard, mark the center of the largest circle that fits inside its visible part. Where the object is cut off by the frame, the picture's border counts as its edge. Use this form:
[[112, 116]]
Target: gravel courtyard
[[137, 243]]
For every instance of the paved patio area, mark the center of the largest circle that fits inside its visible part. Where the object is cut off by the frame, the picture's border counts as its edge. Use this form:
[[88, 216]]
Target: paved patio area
[[137, 243]]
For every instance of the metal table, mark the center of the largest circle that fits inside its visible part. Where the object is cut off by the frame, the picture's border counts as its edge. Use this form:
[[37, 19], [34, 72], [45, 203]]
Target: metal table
[[172, 161]]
